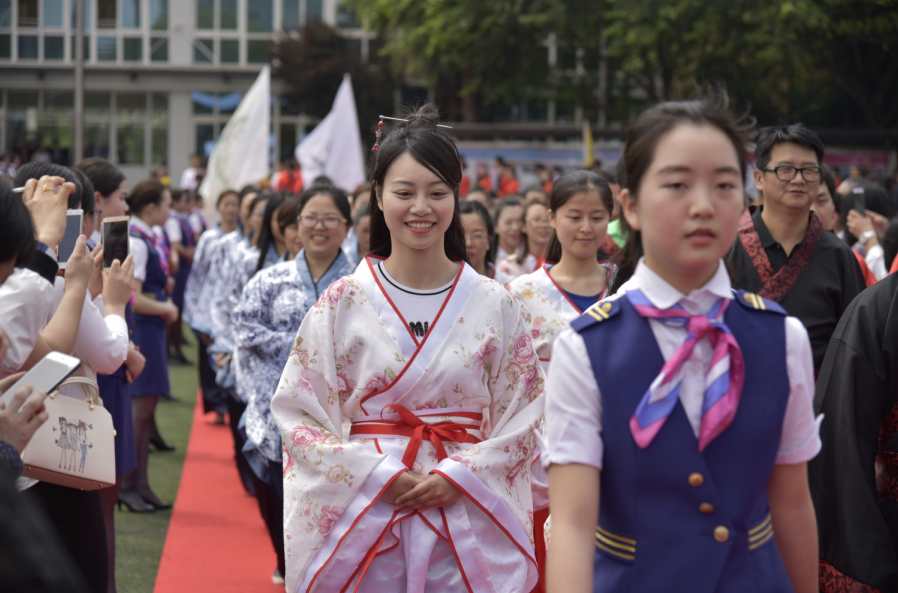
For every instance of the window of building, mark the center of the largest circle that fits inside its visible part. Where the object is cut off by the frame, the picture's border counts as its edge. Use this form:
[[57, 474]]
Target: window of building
[[257, 51], [96, 140], [159, 49], [259, 16], [228, 14], [314, 11], [59, 101], [131, 14], [130, 140], [96, 103], [54, 47], [205, 138], [159, 15], [86, 13], [106, 49], [346, 16], [230, 51], [537, 110], [203, 51], [52, 13], [27, 47], [160, 104], [132, 49], [130, 105], [205, 14], [5, 13], [106, 14], [291, 14], [28, 13], [85, 43], [159, 143], [6, 46]]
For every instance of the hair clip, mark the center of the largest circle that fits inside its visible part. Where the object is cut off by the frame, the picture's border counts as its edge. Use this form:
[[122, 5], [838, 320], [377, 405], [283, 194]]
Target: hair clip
[[380, 127]]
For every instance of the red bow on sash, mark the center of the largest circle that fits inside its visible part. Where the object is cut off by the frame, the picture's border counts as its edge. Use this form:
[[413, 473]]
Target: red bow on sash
[[417, 430]]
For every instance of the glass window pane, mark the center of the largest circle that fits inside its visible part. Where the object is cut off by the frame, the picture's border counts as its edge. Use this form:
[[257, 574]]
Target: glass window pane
[[159, 15], [291, 14], [54, 48], [6, 46], [288, 141], [130, 144], [27, 47], [59, 101], [96, 103], [257, 51], [202, 103], [130, 13], [28, 13], [230, 51], [228, 14], [314, 11], [21, 100], [56, 135], [106, 14], [5, 13], [205, 14], [85, 43], [258, 16], [200, 56], [160, 144], [86, 14], [132, 49], [52, 13], [131, 104], [159, 49], [96, 140], [346, 17], [160, 104], [204, 139], [106, 48]]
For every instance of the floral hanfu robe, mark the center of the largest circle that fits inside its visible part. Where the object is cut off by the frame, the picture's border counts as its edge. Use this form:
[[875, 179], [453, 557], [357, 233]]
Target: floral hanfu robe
[[475, 371]]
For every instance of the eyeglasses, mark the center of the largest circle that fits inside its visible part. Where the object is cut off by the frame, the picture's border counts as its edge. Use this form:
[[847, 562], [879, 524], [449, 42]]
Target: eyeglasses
[[477, 236], [787, 173], [329, 222]]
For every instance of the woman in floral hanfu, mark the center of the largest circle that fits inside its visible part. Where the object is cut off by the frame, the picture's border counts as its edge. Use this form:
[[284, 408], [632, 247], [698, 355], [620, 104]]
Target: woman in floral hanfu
[[409, 404]]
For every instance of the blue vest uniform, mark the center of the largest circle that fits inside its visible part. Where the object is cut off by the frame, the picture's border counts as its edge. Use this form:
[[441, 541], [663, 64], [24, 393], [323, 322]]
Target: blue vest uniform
[[148, 331], [672, 518], [154, 284], [188, 241]]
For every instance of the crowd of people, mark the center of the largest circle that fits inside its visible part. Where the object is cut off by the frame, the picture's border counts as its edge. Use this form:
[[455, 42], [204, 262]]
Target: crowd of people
[[417, 373]]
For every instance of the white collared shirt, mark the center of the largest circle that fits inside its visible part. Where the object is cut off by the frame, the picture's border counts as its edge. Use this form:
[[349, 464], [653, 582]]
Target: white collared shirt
[[139, 249], [26, 302], [574, 402]]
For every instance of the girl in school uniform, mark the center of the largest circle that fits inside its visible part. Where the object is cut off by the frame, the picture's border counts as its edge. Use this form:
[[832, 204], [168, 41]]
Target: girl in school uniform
[[409, 403], [686, 404], [149, 203], [271, 307]]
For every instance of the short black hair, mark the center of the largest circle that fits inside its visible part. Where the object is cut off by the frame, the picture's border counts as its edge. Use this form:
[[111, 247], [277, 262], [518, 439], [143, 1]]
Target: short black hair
[[105, 177], [83, 196], [798, 134], [17, 238]]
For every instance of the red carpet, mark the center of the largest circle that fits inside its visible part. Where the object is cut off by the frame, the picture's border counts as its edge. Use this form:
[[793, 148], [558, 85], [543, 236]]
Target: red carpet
[[216, 539]]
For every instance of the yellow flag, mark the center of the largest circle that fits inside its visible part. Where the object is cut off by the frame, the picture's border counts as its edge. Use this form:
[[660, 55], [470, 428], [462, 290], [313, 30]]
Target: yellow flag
[[589, 158]]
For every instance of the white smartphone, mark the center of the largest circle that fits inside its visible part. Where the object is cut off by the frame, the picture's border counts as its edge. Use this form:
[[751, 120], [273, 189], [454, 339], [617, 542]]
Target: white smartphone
[[114, 237], [74, 226], [45, 376]]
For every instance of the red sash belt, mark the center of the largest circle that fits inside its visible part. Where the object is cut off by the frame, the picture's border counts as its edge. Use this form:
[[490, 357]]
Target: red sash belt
[[415, 429]]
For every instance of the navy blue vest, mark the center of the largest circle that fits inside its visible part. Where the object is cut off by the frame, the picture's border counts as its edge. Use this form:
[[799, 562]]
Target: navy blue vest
[[672, 518], [154, 284]]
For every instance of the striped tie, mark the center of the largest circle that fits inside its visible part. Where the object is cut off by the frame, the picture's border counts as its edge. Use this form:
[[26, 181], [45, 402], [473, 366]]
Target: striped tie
[[723, 383]]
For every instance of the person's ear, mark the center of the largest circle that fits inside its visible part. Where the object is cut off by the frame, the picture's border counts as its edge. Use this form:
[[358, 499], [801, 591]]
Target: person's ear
[[552, 219], [630, 209], [378, 191], [759, 179]]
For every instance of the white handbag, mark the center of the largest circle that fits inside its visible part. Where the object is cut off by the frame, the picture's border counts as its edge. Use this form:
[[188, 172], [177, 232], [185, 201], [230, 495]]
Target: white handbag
[[75, 447]]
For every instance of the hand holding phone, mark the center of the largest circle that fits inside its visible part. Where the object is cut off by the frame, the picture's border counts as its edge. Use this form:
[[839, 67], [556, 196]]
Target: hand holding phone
[[114, 235], [22, 418], [74, 227], [860, 200], [44, 377], [48, 207], [79, 267], [117, 284]]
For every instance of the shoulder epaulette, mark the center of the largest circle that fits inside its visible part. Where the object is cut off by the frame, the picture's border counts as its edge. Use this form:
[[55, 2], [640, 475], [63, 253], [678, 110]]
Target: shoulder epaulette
[[604, 309], [756, 302]]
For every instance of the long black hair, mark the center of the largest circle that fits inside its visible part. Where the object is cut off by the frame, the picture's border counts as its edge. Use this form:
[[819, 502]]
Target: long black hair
[[275, 201], [435, 150], [566, 187], [481, 211], [17, 238], [645, 133]]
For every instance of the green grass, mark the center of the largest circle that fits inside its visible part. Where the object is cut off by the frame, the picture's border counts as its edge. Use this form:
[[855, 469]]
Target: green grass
[[141, 536]]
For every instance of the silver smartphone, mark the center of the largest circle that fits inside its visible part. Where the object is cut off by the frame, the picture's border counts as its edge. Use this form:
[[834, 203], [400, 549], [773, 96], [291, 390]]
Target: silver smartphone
[[74, 227], [114, 236], [45, 376]]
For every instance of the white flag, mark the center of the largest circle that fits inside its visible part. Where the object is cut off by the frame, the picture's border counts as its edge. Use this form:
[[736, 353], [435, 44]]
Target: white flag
[[240, 156], [334, 148]]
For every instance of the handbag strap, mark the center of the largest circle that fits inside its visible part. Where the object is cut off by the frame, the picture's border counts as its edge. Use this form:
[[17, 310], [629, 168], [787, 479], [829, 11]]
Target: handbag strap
[[91, 399]]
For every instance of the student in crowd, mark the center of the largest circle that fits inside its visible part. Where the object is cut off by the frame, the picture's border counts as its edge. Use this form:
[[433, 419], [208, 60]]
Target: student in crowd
[[535, 194], [393, 402], [508, 216], [867, 221], [484, 198], [271, 307], [196, 218], [478, 237], [536, 230], [638, 462], [484, 181], [183, 243], [150, 204], [783, 254], [508, 179], [361, 229]]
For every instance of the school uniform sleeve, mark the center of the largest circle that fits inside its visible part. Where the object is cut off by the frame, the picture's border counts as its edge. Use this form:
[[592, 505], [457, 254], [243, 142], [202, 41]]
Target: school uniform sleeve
[[876, 261], [800, 440], [573, 405], [26, 301], [141, 257], [173, 229]]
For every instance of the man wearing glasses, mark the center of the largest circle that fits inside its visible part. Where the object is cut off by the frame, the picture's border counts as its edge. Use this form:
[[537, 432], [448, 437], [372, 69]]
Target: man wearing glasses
[[784, 253]]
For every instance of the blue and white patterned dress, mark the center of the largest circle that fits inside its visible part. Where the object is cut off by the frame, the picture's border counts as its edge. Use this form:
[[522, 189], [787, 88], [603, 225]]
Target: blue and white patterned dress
[[194, 313], [271, 309]]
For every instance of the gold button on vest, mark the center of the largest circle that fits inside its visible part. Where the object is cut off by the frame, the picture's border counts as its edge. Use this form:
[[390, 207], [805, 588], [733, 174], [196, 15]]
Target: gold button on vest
[[706, 507], [696, 480], [721, 534]]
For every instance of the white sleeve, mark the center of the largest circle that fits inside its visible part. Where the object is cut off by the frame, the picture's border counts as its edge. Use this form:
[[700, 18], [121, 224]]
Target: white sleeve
[[876, 261], [102, 342], [139, 252], [173, 228], [800, 440], [573, 405], [26, 303]]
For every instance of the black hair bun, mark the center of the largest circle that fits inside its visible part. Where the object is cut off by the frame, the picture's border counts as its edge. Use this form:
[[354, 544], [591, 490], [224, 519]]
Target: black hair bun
[[426, 115]]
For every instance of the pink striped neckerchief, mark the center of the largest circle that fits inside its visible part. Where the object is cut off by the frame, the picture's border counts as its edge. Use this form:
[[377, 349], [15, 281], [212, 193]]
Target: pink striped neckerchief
[[160, 250], [723, 383]]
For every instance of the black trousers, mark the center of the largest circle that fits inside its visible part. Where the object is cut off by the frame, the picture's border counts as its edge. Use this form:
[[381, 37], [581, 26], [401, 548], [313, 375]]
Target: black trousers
[[235, 412], [271, 506], [79, 521], [214, 397]]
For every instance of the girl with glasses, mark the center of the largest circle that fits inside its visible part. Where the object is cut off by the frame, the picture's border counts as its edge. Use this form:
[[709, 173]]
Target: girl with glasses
[[536, 231]]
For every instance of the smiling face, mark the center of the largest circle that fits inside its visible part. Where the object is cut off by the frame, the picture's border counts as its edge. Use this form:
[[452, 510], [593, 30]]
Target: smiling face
[[320, 241], [537, 227], [689, 203], [418, 206], [581, 224], [796, 194], [508, 227]]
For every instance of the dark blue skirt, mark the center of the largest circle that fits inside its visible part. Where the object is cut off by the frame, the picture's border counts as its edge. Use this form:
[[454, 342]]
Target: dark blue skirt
[[177, 295], [149, 334], [116, 394]]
